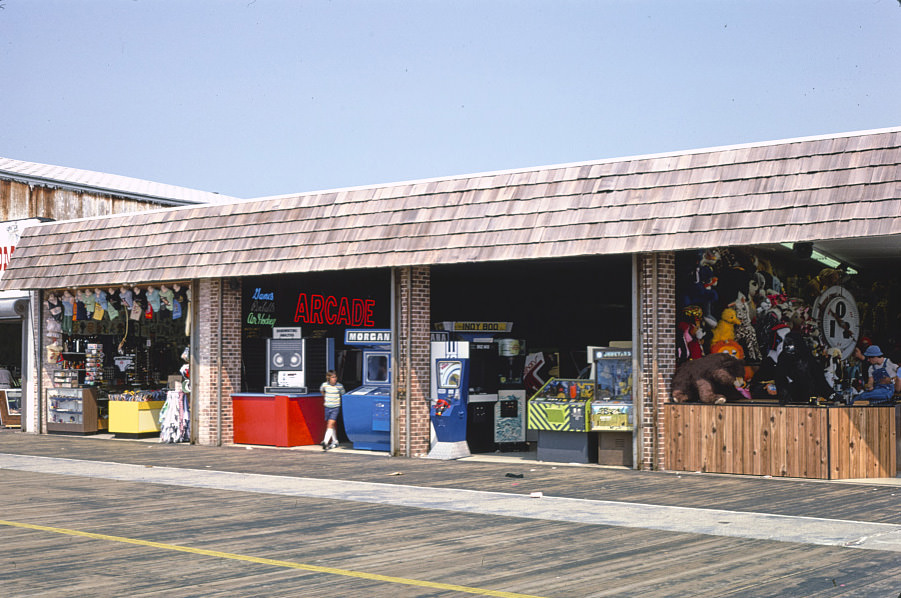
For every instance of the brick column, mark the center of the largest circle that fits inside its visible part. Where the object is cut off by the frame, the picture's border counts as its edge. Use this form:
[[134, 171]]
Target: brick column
[[205, 373], [662, 312], [413, 295]]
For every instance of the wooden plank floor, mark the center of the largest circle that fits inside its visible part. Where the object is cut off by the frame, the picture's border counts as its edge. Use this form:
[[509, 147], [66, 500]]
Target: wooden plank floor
[[508, 554], [811, 498]]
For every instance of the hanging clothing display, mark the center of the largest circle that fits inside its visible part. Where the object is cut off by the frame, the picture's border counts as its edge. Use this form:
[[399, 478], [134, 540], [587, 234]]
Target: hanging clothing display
[[175, 418]]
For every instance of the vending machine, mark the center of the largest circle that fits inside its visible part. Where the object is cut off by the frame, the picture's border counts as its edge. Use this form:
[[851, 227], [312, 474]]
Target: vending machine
[[449, 400], [367, 409]]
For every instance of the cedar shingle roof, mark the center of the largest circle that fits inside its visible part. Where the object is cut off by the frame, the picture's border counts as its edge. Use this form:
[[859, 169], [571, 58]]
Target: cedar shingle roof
[[841, 186]]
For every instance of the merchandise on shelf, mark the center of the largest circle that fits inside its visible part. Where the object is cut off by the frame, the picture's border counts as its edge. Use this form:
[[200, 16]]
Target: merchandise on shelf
[[138, 395], [93, 364]]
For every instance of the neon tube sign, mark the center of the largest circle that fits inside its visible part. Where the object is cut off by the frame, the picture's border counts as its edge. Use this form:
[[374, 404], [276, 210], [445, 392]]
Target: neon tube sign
[[331, 310]]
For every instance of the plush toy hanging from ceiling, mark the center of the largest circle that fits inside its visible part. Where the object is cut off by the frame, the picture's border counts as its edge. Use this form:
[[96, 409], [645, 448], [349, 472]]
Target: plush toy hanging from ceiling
[[113, 303], [735, 278]]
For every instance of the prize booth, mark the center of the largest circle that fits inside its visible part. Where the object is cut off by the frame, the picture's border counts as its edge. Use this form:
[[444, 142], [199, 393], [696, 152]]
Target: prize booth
[[805, 331]]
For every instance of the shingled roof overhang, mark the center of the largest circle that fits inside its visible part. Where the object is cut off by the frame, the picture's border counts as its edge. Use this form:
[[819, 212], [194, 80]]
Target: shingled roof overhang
[[835, 187], [100, 183]]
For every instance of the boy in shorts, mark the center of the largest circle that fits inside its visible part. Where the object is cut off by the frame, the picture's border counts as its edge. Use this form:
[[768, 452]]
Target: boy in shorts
[[332, 391]]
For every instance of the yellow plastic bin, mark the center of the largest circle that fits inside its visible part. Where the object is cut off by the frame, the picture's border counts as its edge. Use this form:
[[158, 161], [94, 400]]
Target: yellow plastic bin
[[134, 417]]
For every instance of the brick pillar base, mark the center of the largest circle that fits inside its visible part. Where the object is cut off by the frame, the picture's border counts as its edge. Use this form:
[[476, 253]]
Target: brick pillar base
[[662, 314], [211, 427]]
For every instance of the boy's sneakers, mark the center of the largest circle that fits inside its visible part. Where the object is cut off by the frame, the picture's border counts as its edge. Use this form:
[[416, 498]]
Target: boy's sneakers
[[333, 445], [324, 446]]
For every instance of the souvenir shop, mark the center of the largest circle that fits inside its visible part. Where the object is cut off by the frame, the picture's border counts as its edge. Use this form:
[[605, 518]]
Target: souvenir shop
[[116, 360]]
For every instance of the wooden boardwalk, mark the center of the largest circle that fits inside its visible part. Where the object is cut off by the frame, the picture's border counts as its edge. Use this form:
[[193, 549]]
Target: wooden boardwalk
[[482, 552]]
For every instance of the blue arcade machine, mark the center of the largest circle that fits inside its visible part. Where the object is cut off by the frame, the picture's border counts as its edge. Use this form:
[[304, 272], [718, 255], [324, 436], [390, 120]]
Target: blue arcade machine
[[449, 403], [367, 409]]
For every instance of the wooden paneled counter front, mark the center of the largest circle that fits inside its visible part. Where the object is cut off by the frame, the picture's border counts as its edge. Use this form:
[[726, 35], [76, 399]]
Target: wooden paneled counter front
[[783, 440]]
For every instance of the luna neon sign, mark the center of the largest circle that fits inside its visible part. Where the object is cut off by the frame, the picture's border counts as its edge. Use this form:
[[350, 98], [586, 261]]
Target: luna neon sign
[[331, 310]]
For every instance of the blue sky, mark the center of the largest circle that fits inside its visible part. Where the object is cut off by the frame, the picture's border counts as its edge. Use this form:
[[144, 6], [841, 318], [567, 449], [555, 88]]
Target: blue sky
[[262, 97]]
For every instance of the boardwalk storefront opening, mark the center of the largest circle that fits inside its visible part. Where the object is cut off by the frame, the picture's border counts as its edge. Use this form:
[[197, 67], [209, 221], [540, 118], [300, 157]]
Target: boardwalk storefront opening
[[566, 265], [800, 320]]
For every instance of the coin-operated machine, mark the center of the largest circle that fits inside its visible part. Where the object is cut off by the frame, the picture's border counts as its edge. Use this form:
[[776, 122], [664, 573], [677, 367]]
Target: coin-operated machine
[[367, 409], [560, 412], [612, 407], [295, 365], [450, 392], [488, 370]]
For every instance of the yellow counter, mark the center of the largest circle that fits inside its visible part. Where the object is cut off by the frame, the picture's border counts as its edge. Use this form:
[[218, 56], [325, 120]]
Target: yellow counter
[[134, 417]]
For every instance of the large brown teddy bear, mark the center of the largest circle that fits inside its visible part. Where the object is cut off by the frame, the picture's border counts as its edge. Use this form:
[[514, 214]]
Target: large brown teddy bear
[[710, 379]]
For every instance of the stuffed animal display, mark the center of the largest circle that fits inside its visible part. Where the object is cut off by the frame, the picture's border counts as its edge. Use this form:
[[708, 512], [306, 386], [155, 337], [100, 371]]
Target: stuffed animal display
[[794, 376], [714, 378], [725, 328], [735, 304]]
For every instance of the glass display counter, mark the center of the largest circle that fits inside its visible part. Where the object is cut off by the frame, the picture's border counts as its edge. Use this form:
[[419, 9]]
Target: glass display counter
[[75, 410], [10, 407]]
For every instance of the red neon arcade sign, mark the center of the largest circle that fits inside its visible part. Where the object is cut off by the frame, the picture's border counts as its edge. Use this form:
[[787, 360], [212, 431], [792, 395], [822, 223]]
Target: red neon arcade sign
[[331, 310]]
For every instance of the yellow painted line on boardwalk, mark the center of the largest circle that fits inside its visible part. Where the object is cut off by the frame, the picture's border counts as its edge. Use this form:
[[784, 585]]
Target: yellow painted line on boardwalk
[[272, 562]]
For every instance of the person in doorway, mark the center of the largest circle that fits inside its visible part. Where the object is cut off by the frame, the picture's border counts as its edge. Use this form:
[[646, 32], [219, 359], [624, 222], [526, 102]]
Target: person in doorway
[[6, 379], [881, 375], [332, 391]]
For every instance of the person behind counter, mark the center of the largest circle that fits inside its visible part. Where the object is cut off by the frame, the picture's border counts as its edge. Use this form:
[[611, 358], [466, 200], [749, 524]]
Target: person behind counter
[[881, 378], [332, 391]]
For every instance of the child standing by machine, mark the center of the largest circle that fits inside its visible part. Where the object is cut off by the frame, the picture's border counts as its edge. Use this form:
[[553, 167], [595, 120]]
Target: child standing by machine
[[332, 391]]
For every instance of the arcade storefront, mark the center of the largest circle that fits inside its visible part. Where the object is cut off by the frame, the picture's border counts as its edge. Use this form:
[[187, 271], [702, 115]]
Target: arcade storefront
[[521, 325], [296, 328]]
